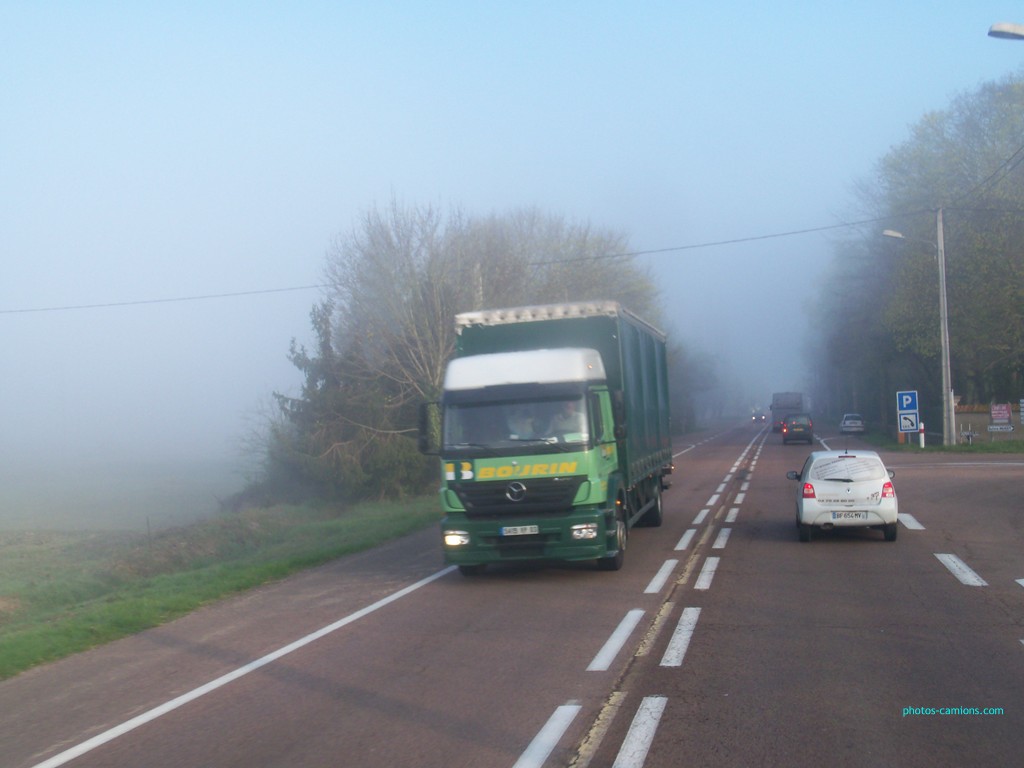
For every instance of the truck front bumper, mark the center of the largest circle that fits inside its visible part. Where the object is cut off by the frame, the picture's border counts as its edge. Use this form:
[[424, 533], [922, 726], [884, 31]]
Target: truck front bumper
[[577, 536]]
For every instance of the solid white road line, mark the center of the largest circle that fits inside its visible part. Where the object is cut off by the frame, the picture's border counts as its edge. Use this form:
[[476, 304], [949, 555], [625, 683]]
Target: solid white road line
[[548, 737], [909, 521], [959, 569], [163, 709], [681, 638], [661, 577], [641, 733], [722, 538], [687, 538], [614, 644], [707, 573]]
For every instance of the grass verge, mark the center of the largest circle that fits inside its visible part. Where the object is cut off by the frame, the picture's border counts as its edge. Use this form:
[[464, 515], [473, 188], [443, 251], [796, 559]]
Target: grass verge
[[935, 446], [62, 593]]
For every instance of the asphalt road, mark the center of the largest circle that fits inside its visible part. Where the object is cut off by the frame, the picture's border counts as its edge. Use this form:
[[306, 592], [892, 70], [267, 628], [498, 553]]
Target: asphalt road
[[723, 641]]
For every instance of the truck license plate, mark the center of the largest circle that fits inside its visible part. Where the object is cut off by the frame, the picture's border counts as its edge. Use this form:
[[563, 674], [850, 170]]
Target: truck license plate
[[519, 530]]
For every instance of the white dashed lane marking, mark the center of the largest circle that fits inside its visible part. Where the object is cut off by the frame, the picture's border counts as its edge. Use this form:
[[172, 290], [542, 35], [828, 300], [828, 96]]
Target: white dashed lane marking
[[961, 570]]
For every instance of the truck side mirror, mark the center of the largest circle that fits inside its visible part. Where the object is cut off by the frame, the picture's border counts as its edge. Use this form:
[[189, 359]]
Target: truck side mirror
[[429, 438]]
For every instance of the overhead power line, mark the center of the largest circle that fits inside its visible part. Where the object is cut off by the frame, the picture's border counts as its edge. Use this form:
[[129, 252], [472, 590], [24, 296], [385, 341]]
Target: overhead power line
[[174, 300], [629, 254], [993, 179], [717, 243]]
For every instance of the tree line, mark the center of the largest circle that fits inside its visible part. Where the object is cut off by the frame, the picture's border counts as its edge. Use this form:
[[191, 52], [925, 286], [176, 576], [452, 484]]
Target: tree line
[[879, 307], [385, 330]]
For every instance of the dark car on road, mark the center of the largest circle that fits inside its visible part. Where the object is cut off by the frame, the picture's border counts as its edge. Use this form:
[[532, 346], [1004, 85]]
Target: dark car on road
[[798, 428]]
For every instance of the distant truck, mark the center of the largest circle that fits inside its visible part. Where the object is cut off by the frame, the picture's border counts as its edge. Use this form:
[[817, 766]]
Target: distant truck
[[785, 403], [553, 433]]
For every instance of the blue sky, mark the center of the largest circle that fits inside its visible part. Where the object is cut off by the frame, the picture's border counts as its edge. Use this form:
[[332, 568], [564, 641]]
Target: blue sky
[[161, 150]]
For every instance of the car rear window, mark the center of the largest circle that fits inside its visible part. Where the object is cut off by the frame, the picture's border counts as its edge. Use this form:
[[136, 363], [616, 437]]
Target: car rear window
[[848, 468]]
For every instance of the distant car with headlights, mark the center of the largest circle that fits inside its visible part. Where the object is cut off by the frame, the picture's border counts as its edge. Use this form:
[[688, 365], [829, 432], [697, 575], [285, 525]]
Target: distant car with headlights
[[797, 428], [851, 424], [758, 418], [844, 489]]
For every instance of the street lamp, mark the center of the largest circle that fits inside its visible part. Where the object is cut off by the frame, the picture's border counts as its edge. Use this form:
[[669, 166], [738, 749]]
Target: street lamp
[[1007, 31], [948, 417]]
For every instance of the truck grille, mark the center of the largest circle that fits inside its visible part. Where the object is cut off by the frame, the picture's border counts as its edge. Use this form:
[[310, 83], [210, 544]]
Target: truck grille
[[517, 497]]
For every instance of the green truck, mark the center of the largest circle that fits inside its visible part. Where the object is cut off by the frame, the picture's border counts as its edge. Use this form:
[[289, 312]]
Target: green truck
[[553, 433]]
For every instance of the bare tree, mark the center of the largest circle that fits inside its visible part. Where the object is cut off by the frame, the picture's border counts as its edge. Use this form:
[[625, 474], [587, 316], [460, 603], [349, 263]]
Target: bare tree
[[386, 331]]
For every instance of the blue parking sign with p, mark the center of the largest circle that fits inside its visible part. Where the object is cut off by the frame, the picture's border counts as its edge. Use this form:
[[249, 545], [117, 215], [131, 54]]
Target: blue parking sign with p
[[906, 401], [906, 406]]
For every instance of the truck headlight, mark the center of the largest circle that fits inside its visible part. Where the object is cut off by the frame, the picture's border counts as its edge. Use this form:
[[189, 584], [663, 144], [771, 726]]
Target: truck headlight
[[456, 538], [584, 531]]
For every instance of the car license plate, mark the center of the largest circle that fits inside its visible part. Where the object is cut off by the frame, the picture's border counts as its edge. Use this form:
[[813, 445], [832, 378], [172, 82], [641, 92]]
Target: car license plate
[[519, 530], [850, 515]]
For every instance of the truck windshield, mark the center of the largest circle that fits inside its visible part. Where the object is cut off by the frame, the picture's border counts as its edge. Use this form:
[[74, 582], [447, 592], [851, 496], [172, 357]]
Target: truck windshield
[[509, 424]]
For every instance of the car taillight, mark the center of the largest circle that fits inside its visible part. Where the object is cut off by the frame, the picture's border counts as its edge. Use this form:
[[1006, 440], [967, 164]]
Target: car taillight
[[785, 428], [888, 492], [809, 490]]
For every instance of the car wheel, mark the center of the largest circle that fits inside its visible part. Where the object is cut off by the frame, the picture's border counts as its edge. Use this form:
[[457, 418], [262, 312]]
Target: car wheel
[[805, 532], [891, 529]]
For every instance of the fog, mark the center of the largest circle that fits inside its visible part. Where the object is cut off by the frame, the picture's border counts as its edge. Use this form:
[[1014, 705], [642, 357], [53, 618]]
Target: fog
[[172, 176]]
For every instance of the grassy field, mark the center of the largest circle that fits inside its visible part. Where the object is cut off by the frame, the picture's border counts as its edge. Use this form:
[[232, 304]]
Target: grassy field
[[95, 494], [62, 592], [932, 445]]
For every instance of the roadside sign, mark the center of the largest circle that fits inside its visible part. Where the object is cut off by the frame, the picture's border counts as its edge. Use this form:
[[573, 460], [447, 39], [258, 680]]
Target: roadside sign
[[906, 405], [906, 401], [1000, 413]]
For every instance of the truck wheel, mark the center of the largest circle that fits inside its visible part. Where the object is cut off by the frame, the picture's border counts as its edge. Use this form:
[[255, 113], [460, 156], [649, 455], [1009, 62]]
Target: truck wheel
[[654, 516], [614, 562]]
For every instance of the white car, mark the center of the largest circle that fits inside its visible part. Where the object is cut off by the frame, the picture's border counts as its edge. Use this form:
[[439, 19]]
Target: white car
[[852, 423], [844, 489]]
